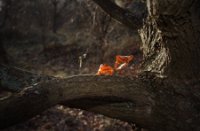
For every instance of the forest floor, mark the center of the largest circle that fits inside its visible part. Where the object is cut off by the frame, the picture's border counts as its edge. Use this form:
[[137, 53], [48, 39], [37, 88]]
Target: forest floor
[[60, 118]]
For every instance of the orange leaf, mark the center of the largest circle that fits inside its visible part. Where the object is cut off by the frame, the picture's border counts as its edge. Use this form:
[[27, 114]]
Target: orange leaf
[[105, 69], [122, 61]]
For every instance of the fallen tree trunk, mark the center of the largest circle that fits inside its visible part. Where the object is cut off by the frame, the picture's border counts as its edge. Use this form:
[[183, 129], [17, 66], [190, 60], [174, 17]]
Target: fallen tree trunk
[[135, 100], [103, 90]]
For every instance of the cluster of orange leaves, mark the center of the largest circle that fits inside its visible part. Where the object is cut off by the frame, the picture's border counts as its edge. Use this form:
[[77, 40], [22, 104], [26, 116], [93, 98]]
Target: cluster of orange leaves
[[121, 62]]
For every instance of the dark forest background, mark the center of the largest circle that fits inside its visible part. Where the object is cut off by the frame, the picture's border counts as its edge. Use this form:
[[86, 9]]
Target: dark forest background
[[51, 36], [50, 51]]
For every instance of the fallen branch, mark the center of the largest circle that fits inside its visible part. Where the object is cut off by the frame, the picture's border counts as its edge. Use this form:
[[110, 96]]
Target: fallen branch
[[99, 91], [154, 104], [123, 16]]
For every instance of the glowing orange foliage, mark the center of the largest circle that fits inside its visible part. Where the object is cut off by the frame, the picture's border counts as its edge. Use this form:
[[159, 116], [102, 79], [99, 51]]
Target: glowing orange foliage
[[105, 69], [120, 66], [122, 61]]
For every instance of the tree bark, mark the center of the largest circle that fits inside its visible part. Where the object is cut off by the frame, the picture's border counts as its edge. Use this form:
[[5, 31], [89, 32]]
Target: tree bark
[[171, 39], [156, 104], [124, 16]]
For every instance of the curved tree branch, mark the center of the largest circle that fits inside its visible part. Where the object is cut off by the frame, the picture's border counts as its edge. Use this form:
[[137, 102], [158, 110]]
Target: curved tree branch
[[96, 92], [150, 103], [124, 16], [107, 95]]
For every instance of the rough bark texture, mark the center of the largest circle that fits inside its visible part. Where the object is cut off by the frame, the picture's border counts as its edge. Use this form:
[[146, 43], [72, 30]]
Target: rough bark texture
[[171, 38], [169, 100], [157, 104]]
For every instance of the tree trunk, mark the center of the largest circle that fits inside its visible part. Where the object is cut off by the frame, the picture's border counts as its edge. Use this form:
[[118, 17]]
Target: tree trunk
[[156, 104], [171, 39], [165, 96]]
